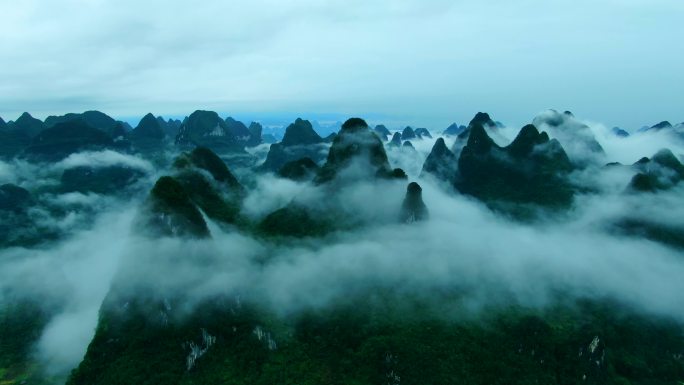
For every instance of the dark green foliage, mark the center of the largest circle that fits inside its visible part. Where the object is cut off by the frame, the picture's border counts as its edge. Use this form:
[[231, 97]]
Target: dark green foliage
[[14, 198], [255, 130], [21, 324], [171, 212], [396, 140], [667, 234], [386, 340], [100, 180], [662, 125], [441, 163], [95, 119], [299, 170], [64, 139], [219, 197], [413, 208], [295, 220], [482, 119], [408, 145], [28, 125], [206, 128], [408, 134], [204, 158], [148, 128], [661, 172], [454, 129], [16, 136], [382, 132], [398, 173], [530, 170], [300, 141], [300, 133], [238, 130], [217, 206], [422, 132], [330, 138], [355, 143], [3, 124]]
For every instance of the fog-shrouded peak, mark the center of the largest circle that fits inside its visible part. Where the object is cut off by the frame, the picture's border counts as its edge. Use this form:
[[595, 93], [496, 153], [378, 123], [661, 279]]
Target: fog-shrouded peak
[[408, 133], [413, 209], [300, 132]]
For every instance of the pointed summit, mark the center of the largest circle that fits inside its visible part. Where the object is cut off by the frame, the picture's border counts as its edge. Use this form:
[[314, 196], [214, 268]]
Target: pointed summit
[[300, 141], [527, 138], [441, 163], [29, 125], [356, 145], [382, 131], [662, 125], [396, 140], [408, 133], [170, 212], [299, 133], [206, 128], [413, 208], [148, 128], [576, 137], [529, 170], [454, 129], [483, 119]]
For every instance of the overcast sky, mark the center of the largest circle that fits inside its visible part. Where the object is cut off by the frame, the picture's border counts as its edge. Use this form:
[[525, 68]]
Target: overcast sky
[[427, 62]]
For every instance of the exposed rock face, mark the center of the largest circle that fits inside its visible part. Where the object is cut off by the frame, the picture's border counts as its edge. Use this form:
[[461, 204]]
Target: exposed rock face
[[356, 153], [413, 208], [207, 129], [441, 164], [530, 170], [170, 212], [238, 130], [300, 141], [63, 139], [219, 194]]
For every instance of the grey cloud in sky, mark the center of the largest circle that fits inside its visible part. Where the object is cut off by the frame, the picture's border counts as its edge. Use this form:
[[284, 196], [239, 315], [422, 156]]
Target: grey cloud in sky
[[419, 62]]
